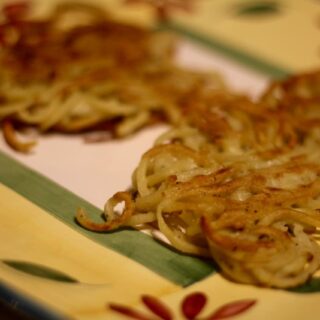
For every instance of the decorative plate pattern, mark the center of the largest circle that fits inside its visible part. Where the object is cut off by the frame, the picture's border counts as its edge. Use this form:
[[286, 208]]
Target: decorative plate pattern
[[52, 268]]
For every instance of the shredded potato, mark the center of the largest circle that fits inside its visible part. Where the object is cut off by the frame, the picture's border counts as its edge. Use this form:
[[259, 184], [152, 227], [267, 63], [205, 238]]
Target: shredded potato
[[78, 69], [237, 181], [234, 179]]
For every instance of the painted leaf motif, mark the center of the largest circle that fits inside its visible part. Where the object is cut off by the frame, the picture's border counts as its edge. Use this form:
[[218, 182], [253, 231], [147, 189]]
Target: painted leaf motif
[[157, 307], [257, 8], [39, 271], [193, 304], [231, 309]]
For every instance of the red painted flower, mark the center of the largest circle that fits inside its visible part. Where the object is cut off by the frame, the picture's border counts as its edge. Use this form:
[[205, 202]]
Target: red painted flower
[[163, 8], [191, 307], [157, 307], [231, 309]]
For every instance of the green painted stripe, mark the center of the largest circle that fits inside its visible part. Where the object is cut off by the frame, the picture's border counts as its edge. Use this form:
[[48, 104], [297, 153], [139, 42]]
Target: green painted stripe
[[61, 203], [228, 51]]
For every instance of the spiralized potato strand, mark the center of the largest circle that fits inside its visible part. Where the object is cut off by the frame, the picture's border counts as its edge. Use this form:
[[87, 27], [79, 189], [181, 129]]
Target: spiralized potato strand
[[78, 69], [240, 180]]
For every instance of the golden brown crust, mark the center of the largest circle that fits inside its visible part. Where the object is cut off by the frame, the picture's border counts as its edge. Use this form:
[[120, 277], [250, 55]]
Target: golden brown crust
[[93, 72], [239, 180]]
